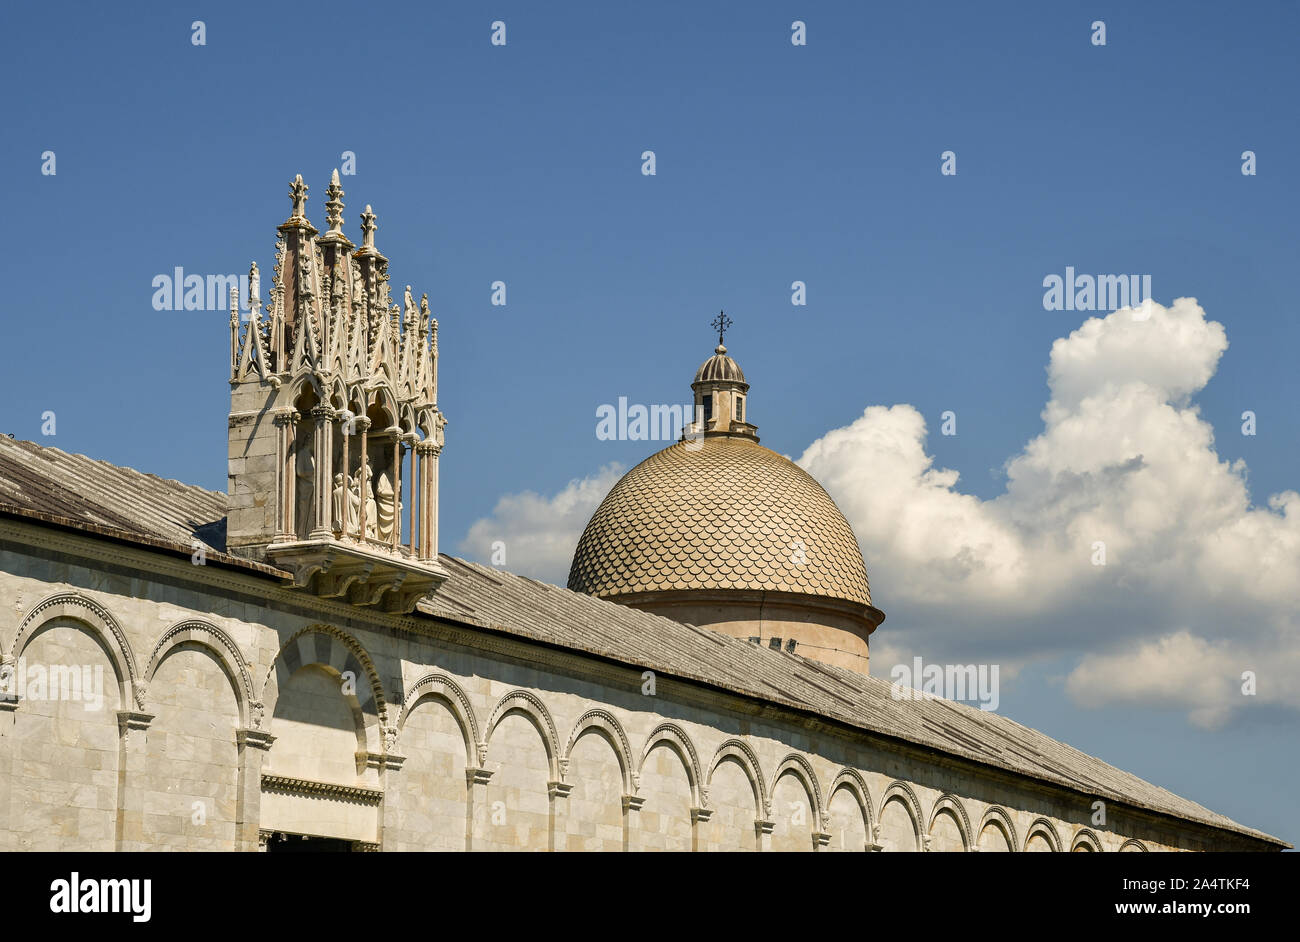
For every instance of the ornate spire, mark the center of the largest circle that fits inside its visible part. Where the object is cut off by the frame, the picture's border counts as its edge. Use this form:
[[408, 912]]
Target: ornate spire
[[334, 205], [298, 193]]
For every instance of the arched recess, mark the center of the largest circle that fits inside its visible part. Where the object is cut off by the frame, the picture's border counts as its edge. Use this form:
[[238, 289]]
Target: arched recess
[[853, 784], [439, 686], [524, 703], [951, 806], [1085, 840], [739, 750], [1132, 845], [87, 612], [220, 644], [998, 817], [1043, 828], [340, 653], [901, 794], [604, 724], [676, 739], [794, 826], [796, 765]]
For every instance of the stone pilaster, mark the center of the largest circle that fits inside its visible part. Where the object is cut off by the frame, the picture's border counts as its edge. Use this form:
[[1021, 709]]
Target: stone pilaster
[[632, 822], [476, 807], [131, 728], [558, 838], [8, 748], [253, 746], [699, 817], [390, 781]]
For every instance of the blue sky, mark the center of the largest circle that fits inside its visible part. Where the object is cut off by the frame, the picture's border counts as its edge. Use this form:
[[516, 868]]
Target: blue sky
[[774, 163]]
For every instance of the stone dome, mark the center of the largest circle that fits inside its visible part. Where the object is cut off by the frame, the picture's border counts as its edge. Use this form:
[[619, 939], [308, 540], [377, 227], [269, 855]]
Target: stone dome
[[719, 368], [719, 513]]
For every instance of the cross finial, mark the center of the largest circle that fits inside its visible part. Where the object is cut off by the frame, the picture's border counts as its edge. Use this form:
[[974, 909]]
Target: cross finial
[[721, 323]]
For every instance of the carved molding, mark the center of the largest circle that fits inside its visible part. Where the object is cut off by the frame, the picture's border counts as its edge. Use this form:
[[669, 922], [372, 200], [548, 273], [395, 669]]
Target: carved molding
[[353, 794]]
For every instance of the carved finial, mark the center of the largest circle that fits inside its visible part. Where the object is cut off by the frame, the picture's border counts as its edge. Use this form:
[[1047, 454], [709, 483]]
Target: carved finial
[[298, 193], [368, 228], [334, 205], [720, 324]]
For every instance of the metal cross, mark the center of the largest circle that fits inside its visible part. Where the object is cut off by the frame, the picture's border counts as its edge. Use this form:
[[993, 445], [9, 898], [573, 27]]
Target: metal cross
[[721, 323]]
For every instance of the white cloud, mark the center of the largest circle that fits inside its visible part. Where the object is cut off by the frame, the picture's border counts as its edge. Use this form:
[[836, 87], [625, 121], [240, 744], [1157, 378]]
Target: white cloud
[[539, 534], [1198, 586]]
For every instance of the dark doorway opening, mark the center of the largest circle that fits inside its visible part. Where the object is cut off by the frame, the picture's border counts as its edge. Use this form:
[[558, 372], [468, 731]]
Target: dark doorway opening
[[281, 843]]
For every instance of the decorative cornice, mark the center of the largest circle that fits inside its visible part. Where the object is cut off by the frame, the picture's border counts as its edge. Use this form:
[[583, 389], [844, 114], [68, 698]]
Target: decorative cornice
[[133, 719], [355, 794], [558, 789], [478, 776]]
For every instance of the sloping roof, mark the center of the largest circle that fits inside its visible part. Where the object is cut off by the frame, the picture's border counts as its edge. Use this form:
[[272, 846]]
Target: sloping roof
[[72, 490]]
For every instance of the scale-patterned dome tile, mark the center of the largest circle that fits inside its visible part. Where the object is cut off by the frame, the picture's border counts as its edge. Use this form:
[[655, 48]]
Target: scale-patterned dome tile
[[724, 514]]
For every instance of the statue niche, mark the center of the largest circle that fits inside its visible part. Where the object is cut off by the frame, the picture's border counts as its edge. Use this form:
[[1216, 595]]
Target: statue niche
[[304, 486]]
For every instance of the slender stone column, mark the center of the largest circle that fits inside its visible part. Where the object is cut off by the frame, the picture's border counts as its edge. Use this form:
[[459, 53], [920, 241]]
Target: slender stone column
[[363, 423], [429, 500], [131, 727], [415, 498], [323, 499], [763, 833], [345, 431], [284, 475], [253, 746], [397, 491], [476, 807]]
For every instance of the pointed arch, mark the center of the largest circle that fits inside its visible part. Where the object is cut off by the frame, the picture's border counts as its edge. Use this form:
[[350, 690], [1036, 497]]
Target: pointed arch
[[438, 686], [90, 614], [676, 739], [523, 702], [228, 655], [740, 751], [604, 724]]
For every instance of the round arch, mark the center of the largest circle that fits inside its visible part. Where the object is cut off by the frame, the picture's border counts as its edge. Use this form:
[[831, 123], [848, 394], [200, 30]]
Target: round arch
[[523, 702], [676, 739], [1000, 818], [438, 686], [739, 751], [214, 639], [852, 781], [950, 805], [604, 724], [798, 766], [90, 614], [1086, 839], [1044, 827]]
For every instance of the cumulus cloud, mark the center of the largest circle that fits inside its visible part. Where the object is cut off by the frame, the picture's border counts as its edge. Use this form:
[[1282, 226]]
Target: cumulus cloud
[[534, 535], [1197, 586]]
